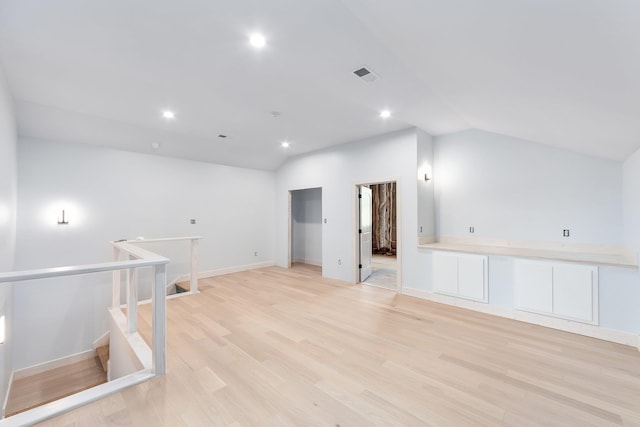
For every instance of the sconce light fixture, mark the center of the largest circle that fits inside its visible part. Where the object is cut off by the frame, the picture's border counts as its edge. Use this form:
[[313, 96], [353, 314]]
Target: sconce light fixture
[[424, 172], [62, 220], [2, 330]]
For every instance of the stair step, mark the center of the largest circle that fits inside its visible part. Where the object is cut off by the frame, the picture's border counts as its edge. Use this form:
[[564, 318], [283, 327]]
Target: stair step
[[103, 355], [182, 287], [39, 389]]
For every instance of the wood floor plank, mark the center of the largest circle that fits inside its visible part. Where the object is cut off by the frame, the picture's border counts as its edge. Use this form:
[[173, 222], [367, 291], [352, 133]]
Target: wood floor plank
[[284, 347], [45, 387]]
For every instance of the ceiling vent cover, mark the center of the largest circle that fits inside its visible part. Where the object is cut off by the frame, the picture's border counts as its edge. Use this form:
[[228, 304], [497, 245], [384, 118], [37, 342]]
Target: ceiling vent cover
[[366, 75]]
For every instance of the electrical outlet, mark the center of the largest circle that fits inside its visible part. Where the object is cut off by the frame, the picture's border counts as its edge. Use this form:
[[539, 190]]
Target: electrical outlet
[[472, 230], [339, 262], [421, 229], [325, 220], [193, 221], [565, 233], [255, 253]]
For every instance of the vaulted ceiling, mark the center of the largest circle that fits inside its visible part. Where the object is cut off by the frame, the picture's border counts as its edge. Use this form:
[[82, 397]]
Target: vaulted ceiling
[[563, 73]]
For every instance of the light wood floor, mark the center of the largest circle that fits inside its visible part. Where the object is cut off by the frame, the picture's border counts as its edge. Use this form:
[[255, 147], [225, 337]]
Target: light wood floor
[[36, 390], [277, 347]]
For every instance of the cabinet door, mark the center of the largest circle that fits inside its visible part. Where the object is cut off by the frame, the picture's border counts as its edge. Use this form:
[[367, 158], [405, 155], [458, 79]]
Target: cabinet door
[[534, 284], [445, 273], [573, 292], [472, 271]]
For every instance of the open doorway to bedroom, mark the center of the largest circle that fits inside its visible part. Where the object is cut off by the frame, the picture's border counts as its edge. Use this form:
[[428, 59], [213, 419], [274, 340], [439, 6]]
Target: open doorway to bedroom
[[378, 235], [305, 228]]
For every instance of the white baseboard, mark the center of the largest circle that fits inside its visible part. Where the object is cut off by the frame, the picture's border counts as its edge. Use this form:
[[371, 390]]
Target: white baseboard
[[222, 271], [6, 398], [210, 273], [226, 270], [102, 341], [204, 275], [308, 261], [620, 337], [53, 364], [174, 281]]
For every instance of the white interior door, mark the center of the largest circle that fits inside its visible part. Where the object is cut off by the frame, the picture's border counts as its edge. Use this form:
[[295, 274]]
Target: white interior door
[[366, 242]]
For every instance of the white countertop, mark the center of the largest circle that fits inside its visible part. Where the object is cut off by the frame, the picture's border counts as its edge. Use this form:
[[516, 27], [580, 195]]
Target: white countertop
[[623, 258]]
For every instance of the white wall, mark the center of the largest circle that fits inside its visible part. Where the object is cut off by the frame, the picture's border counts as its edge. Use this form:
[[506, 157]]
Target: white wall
[[426, 208], [512, 189], [123, 360], [306, 218], [631, 195], [8, 178], [337, 170], [622, 296], [109, 195], [518, 190]]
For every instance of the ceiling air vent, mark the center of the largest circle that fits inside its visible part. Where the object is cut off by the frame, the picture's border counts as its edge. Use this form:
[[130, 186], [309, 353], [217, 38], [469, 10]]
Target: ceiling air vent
[[366, 75]]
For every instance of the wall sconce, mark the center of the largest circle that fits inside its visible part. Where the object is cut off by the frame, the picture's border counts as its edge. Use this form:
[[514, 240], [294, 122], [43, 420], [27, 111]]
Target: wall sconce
[[2, 330], [424, 172], [62, 220]]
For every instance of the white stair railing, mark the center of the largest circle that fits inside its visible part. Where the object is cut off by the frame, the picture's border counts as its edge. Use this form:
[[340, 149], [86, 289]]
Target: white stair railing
[[193, 261], [138, 258]]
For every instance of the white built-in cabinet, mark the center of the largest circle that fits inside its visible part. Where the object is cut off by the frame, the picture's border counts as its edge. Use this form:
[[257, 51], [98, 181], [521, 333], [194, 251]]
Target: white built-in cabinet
[[565, 290], [461, 275]]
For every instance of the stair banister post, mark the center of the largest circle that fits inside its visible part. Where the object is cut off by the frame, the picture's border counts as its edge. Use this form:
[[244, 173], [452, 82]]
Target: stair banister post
[[193, 287], [159, 319], [116, 280], [132, 298]]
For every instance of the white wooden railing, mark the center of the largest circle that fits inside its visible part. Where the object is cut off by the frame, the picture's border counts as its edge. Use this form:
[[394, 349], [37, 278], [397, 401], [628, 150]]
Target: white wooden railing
[[138, 258], [193, 260]]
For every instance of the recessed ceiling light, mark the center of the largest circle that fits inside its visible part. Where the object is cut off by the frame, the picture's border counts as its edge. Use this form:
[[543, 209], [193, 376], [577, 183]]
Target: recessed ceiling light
[[284, 144], [257, 40], [155, 146], [385, 114], [167, 114]]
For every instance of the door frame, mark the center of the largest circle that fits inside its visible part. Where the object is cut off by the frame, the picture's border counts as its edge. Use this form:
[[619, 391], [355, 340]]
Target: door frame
[[356, 227], [290, 224], [289, 228]]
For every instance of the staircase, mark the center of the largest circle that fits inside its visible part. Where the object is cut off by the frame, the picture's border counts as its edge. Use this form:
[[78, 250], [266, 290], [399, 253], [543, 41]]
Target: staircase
[[102, 353], [36, 390], [178, 288], [182, 287]]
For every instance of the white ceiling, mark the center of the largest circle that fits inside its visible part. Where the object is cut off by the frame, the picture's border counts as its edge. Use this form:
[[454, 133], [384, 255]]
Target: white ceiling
[[564, 73]]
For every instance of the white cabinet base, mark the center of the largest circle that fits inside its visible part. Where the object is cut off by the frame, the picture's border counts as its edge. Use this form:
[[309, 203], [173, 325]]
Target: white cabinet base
[[582, 328], [472, 277], [461, 275], [575, 293], [534, 286], [564, 290]]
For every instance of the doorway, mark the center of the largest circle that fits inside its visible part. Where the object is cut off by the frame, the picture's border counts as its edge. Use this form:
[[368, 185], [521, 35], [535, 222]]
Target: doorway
[[305, 228], [378, 234]]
